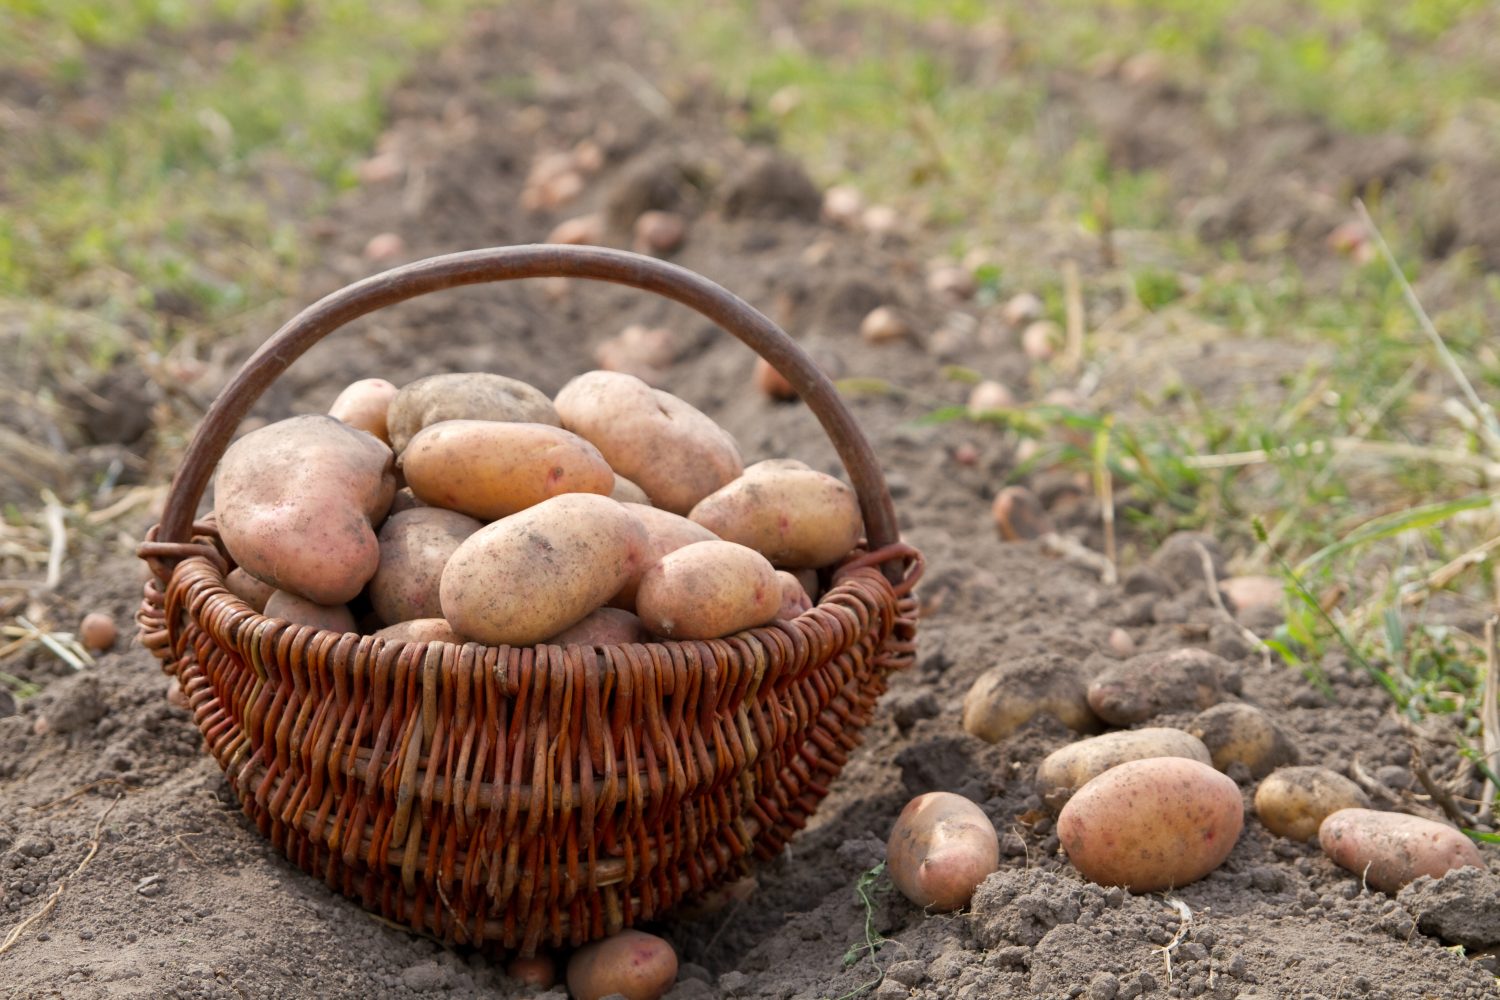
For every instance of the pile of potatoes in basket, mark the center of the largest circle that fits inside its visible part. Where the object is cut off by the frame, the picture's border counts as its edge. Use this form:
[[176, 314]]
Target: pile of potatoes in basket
[[612, 514]]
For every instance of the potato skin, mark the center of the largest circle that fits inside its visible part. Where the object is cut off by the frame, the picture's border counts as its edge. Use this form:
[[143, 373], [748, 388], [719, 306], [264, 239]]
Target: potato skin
[[1006, 697], [1069, 768], [533, 574], [637, 965], [940, 849], [603, 627], [1293, 801], [1147, 685], [1390, 850], [490, 470], [657, 441], [364, 404], [248, 589], [708, 590], [420, 630], [627, 492], [794, 599], [296, 502], [300, 611], [465, 396], [1152, 824], [414, 546], [1237, 733], [797, 518], [665, 532]]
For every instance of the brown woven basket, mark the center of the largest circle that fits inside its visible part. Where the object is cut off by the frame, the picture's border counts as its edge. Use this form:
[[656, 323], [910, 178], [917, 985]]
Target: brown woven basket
[[511, 798]]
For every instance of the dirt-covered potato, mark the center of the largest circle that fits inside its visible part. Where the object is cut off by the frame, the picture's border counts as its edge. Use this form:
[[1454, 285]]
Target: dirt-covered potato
[[533, 574], [657, 441], [420, 630], [490, 470], [940, 849], [364, 404], [301, 611], [665, 532], [634, 964], [1069, 768], [1294, 801], [707, 590], [794, 599], [1152, 824], [414, 547], [603, 627], [1147, 685], [1008, 696], [248, 589], [797, 518], [1237, 733], [465, 396], [297, 501], [627, 492], [1389, 850]]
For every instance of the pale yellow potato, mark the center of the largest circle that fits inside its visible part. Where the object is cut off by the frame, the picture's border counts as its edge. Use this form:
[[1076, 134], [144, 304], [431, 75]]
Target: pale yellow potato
[[465, 396], [489, 470], [414, 547], [1069, 768], [1006, 697], [665, 532], [301, 611], [940, 849], [708, 590], [797, 518], [657, 441], [364, 404], [794, 599], [533, 574], [420, 630], [297, 502], [1237, 733], [603, 627], [634, 964], [627, 492], [1294, 801], [1388, 850], [248, 589]]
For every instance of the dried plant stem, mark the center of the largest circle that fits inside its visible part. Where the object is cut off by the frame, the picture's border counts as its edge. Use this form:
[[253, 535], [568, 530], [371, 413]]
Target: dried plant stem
[[1489, 715], [51, 903]]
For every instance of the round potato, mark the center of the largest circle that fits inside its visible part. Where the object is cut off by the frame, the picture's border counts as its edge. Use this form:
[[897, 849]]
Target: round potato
[[1236, 733], [300, 611], [797, 518], [415, 545], [1152, 824], [364, 404], [707, 590], [1008, 696], [420, 630], [794, 599], [665, 532], [634, 964], [248, 589], [1069, 768], [465, 396], [603, 627], [297, 501], [657, 441], [940, 849], [1294, 801], [490, 470], [533, 574], [1388, 850]]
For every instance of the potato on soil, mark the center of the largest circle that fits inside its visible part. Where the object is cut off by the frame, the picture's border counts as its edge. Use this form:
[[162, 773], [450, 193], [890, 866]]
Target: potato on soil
[[657, 441], [465, 396], [297, 501], [300, 611], [420, 630], [1019, 515], [708, 590], [1237, 733], [490, 470], [538, 970], [1069, 768], [634, 964], [794, 598], [1147, 685], [643, 351], [1008, 696], [533, 574], [248, 589], [603, 627], [97, 631], [772, 383], [940, 849], [1152, 824], [414, 547], [797, 518], [1243, 593], [364, 404], [1294, 801], [665, 532], [1389, 850]]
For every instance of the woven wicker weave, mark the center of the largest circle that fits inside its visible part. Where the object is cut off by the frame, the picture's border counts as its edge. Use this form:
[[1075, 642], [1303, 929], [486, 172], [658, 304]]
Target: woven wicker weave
[[511, 798]]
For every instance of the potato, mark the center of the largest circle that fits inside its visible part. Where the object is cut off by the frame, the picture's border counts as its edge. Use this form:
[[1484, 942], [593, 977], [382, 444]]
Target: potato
[[1152, 824], [414, 546], [364, 404], [1008, 696], [634, 964], [940, 849], [1019, 515], [297, 501], [627, 492], [420, 630], [797, 518], [1236, 733], [300, 611], [657, 441], [1147, 685], [489, 470], [405, 500], [794, 599], [1389, 850], [603, 627], [248, 589], [533, 574], [665, 532], [539, 971], [1244, 593], [1294, 801], [1069, 768], [97, 631], [465, 396], [707, 590]]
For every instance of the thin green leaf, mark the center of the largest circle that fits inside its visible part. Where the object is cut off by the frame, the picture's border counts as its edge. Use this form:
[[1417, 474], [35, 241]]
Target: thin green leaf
[[1390, 525]]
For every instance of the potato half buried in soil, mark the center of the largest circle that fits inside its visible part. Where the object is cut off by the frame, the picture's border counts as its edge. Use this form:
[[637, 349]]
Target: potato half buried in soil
[[1069, 768], [708, 590], [1147, 685], [940, 849]]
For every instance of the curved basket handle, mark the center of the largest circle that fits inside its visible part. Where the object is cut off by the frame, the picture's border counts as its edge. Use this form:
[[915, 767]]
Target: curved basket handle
[[473, 267]]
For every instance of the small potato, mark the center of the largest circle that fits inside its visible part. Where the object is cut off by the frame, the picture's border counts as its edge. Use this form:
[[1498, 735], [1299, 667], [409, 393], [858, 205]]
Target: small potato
[[940, 849], [364, 404], [1244, 593], [1147, 685], [300, 611], [603, 627], [465, 396], [248, 589], [1389, 850], [657, 441], [665, 532], [1007, 697], [1152, 824], [420, 630], [634, 964], [1294, 801], [489, 470], [538, 970], [415, 545], [1069, 768], [643, 351], [1019, 515], [707, 590], [772, 383], [627, 492], [97, 631], [1236, 733], [533, 574], [794, 599], [797, 518]]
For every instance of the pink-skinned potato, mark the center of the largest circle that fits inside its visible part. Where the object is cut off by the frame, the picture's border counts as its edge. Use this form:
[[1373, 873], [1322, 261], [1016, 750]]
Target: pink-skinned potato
[[665, 532], [420, 630], [297, 502], [248, 589], [708, 590], [634, 964], [797, 518], [940, 849], [1389, 850], [415, 545], [794, 599], [301, 611], [603, 627], [364, 404]]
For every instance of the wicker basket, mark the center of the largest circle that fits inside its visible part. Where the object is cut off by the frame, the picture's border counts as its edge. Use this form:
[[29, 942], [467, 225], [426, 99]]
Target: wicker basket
[[514, 798]]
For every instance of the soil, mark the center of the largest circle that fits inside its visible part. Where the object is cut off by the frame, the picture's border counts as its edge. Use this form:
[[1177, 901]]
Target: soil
[[162, 889]]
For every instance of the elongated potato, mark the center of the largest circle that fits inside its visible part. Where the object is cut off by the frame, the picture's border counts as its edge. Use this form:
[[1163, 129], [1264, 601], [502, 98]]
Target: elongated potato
[[797, 518], [1389, 850], [708, 590], [490, 470], [465, 396], [634, 964], [533, 574], [415, 545], [364, 404], [1069, 768], [657, 441], [297, 501], [419, 630], [301, 611], [940, 849], [665, 532]]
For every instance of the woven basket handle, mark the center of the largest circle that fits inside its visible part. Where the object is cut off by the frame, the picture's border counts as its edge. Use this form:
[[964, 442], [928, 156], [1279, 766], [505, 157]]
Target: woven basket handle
[[504, 264]]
